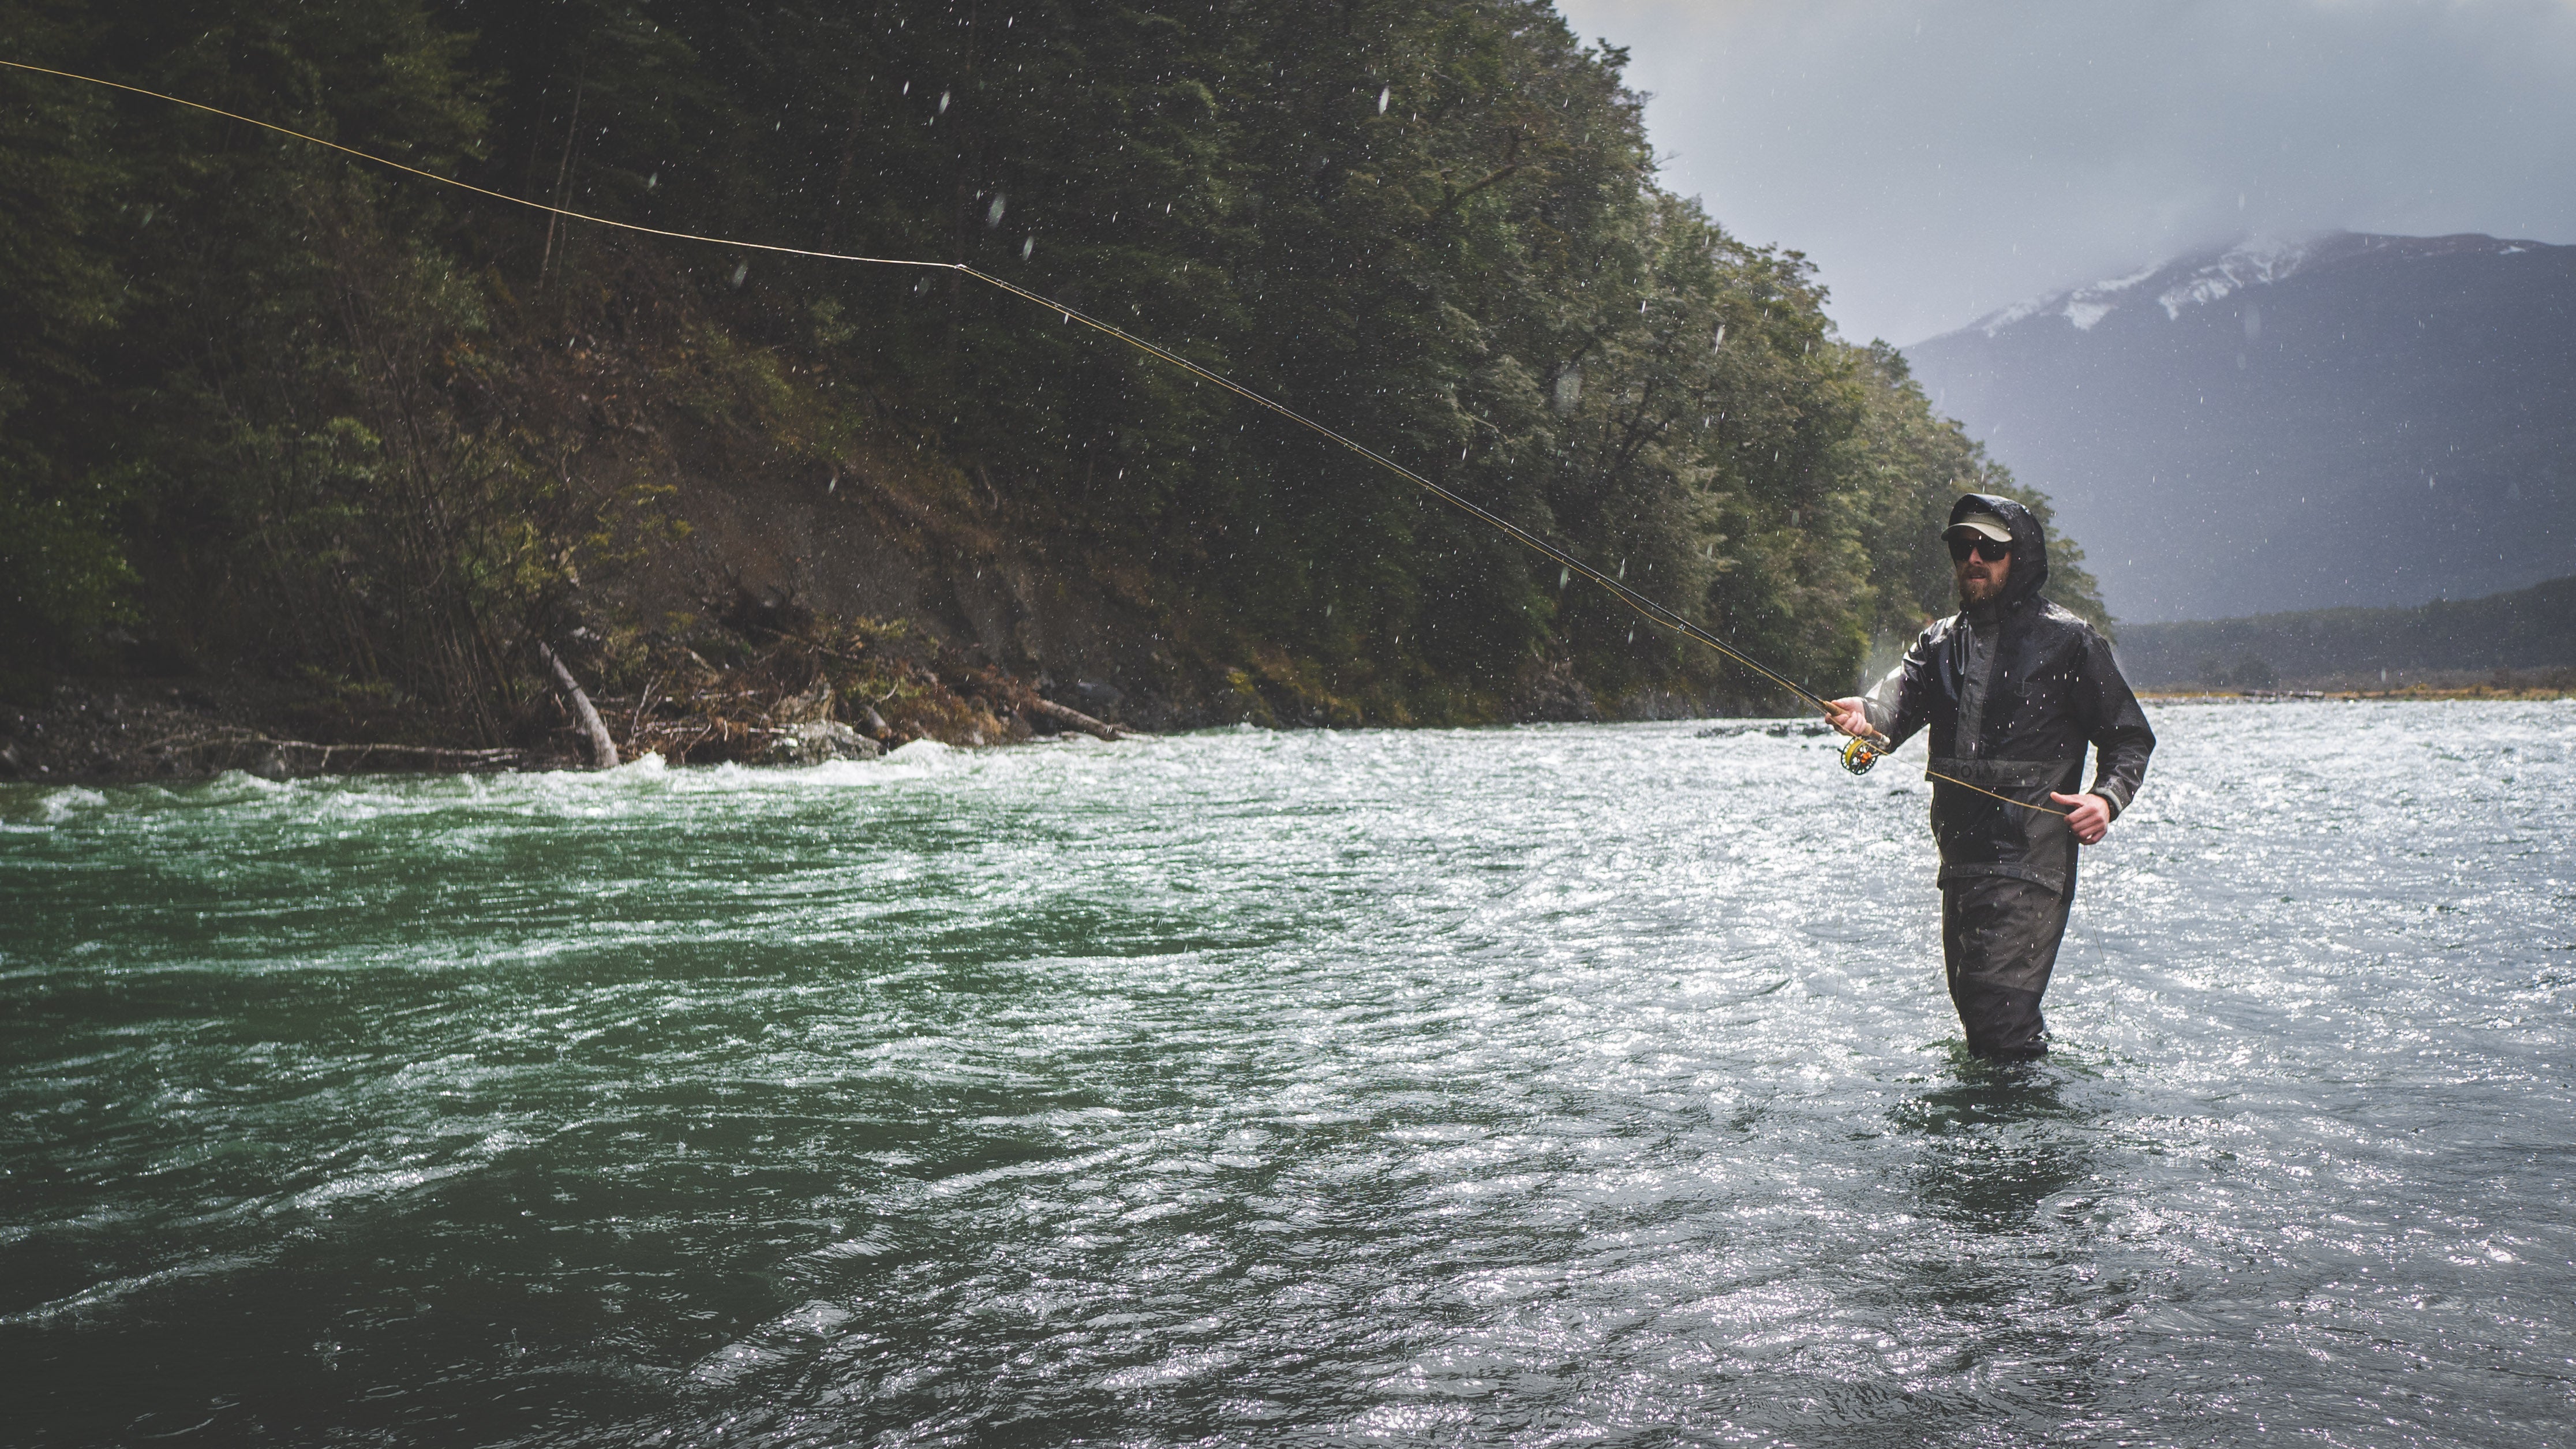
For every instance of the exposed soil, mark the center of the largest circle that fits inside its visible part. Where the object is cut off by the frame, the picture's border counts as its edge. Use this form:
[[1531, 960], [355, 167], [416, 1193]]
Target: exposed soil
[[769, 685]]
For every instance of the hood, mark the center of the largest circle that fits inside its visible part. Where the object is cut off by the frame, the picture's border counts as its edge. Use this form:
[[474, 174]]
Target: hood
[[2030, 545]]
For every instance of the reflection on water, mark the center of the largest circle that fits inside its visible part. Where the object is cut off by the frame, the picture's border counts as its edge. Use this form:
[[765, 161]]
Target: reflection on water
[[1523, 1086], [2002, 1138]]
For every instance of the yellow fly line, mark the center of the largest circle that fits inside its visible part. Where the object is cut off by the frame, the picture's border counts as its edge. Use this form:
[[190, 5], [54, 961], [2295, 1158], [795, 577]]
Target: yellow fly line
[[1653, 612]]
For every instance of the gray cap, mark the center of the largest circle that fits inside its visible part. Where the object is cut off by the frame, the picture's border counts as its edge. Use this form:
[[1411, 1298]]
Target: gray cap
[[1984, 523]]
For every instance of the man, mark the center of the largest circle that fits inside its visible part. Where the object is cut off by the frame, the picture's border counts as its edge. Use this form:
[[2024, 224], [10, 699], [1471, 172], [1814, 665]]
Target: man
[[2013, 688]]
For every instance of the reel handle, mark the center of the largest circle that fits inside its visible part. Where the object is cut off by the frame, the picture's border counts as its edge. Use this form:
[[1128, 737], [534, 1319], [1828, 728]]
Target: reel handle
[[1859, 754]]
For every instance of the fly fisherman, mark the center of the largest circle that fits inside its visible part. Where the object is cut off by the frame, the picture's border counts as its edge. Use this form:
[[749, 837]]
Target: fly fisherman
[[2013, 688]]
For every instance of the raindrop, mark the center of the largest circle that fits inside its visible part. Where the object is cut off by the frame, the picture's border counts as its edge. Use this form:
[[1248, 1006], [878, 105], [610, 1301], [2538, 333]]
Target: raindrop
[[1563, 575], [1721, 338], [943, 103], [907, 88], [1623, 568], [993, 213], [1382, 93], [1027, 245], [740, 272], [653, 180]]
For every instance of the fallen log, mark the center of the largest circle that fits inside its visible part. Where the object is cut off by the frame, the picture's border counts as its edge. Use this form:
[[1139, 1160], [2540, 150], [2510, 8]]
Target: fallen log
[[261, 754], [1078, 719], [603, 750]]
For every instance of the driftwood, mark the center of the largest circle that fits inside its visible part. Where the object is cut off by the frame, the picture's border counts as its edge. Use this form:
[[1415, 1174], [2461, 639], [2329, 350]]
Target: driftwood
[[244, 749], [603, 750], [1076, 718]]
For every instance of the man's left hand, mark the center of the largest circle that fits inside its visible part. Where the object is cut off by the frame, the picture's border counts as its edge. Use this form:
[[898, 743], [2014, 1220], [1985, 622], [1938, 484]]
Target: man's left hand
[[2091, 817]]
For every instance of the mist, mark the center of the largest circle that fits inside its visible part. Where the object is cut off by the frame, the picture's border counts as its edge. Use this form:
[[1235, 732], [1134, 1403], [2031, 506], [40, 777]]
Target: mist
[[1939, 160]]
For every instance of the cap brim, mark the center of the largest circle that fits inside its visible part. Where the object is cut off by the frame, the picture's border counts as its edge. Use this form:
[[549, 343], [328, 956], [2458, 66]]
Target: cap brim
[[1984, 527]]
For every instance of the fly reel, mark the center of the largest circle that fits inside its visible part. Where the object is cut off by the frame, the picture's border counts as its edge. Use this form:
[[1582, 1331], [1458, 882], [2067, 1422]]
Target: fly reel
[[1859, 754]]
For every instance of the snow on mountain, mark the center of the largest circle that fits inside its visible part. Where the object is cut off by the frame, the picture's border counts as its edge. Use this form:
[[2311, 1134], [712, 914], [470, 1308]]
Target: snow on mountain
[[2291, 423], [2206, 277], [2084, 306]]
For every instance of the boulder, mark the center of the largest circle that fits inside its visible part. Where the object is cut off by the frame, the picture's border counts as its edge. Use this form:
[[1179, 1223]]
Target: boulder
[[816, 741]]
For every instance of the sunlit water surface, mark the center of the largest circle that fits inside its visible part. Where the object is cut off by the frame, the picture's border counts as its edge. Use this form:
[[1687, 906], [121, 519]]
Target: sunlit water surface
[[1539, 1086]]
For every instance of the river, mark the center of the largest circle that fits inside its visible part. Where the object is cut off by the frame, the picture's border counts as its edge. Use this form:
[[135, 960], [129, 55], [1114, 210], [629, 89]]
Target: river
[[1556, 1085]]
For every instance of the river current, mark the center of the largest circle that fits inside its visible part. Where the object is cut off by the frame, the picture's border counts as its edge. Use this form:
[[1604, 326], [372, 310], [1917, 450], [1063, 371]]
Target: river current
[[1557, 1085]]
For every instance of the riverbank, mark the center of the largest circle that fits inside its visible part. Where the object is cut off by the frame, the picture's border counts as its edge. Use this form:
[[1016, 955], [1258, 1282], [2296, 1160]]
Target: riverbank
[[797, 690], [119, 730]]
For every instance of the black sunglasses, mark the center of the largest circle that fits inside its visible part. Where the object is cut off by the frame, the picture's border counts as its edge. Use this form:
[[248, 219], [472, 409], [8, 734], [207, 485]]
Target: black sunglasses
[[1992, 550]]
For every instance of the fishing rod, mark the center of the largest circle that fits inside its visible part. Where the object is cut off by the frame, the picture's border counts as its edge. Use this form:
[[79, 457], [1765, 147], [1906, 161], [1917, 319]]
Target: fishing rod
[[1858, 754]]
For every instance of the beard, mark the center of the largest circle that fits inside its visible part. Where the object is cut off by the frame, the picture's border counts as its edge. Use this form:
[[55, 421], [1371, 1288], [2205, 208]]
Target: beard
[[1978, 586]]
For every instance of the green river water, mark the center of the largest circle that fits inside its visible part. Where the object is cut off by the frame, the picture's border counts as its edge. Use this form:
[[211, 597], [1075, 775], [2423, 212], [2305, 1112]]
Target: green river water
[[1559, 1085]]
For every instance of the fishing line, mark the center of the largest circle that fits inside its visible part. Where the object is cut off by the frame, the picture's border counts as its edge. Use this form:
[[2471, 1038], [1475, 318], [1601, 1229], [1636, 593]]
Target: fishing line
[[1857, 756]]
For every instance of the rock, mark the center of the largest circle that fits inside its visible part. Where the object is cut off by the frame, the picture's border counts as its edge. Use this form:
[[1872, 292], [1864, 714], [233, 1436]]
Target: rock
[[1554, 696], [814, 705], [816, 741]]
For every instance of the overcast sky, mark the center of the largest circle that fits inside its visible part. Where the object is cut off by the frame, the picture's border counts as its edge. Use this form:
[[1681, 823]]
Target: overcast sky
[[1941, 158]]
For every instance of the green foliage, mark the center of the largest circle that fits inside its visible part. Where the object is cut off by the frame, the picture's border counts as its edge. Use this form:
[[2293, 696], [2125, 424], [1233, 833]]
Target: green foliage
[[1434, 227], [60, 547]]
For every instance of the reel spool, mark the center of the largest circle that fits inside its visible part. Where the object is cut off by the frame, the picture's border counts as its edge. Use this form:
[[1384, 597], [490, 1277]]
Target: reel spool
[[1859, 754]]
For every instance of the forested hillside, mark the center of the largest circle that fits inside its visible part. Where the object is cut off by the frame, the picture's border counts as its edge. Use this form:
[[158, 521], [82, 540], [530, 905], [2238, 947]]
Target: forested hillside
[[267, 409], [2446, 641]]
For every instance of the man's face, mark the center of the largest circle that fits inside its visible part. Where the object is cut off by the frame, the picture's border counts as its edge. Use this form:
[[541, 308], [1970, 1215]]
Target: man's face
[[1980, 580]]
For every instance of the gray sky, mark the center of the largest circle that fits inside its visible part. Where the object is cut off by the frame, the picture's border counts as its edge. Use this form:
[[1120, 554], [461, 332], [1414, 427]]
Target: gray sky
[[1941, 158]]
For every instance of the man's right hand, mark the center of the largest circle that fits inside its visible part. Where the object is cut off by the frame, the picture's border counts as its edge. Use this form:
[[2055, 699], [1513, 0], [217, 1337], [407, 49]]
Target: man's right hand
[[1851, 716]]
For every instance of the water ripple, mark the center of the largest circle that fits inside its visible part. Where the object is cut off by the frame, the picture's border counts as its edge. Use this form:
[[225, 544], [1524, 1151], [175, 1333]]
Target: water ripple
[[1521, 1086]]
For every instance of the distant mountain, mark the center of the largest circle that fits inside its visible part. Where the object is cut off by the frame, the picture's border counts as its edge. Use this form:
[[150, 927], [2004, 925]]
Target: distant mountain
[[2524, 629], [2345, 420]]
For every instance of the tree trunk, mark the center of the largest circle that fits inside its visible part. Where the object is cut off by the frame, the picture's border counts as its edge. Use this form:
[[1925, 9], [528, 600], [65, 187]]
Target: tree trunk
[[1079, 720], [603, 750]]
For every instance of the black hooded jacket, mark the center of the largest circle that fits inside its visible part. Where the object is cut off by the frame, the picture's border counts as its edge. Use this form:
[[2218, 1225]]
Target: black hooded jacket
[[2013, 690]]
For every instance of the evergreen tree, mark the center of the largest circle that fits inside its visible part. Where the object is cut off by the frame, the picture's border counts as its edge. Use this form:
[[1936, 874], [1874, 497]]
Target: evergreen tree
[[266, 403]]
